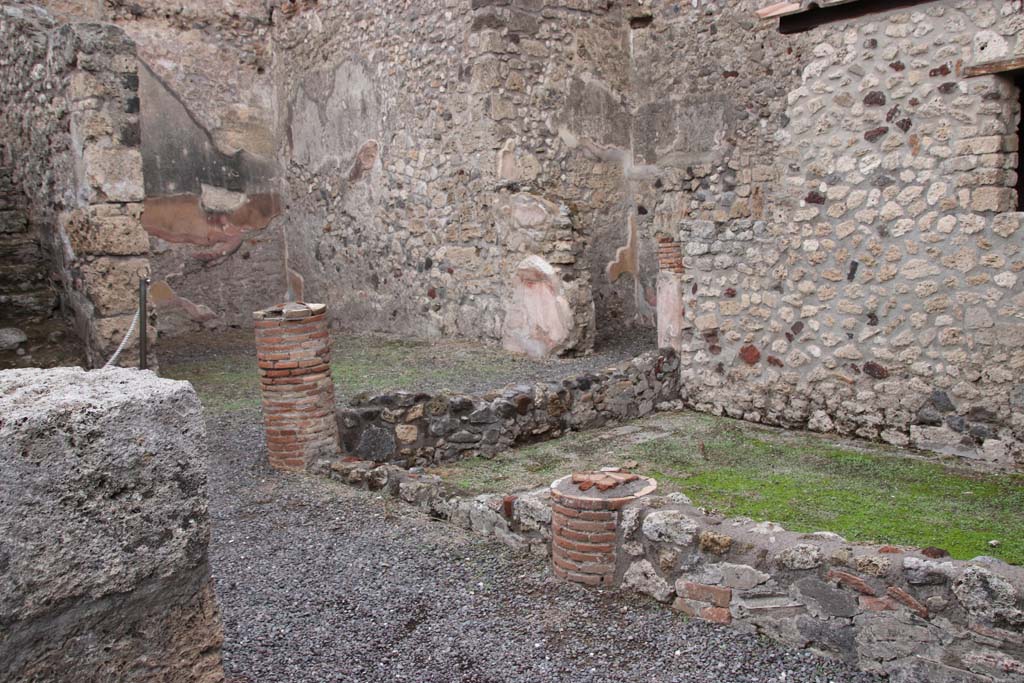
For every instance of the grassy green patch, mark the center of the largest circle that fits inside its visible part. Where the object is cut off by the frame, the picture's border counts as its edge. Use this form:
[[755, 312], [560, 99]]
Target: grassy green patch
[[374, 364], [807, 482], [223, 385], [226, 377]]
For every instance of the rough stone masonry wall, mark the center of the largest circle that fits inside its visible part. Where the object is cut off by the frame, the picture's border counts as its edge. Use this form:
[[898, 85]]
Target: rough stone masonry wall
[[104, 530], [431, 146], [423, 429], [207, 145], [69, 132], [844, 198], [910, 613]]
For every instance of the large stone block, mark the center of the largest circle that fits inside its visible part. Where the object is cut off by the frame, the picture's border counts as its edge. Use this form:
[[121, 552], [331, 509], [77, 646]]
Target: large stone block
[[113, 175], [104, 574], [106, 229], [112, 284]]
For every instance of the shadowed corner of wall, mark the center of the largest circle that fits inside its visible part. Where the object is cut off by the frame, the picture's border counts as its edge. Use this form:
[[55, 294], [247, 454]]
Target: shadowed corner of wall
[[627, 260], [626, 257]]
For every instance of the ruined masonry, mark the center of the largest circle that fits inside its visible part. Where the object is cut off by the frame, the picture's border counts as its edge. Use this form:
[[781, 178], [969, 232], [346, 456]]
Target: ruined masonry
[[912, 614], [293, 351], [70, 176], [815, 208]]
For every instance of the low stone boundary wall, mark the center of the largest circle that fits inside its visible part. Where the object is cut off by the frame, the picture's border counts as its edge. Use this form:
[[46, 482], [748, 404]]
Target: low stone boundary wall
[[912, 614], [420, 429], [104, 573]]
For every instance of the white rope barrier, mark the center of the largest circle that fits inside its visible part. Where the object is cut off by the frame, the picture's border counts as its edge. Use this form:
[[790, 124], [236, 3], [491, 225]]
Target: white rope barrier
[[127, 336]]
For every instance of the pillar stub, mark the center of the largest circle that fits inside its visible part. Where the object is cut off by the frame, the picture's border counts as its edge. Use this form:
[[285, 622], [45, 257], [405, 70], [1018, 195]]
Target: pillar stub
[[585, 520], [293, 349]]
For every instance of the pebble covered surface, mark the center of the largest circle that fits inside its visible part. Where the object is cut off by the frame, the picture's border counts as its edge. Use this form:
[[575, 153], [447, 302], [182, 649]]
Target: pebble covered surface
[[320, 582]]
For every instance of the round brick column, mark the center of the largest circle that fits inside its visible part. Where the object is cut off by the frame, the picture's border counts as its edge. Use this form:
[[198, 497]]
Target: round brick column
[[585, 521], [293, 348]]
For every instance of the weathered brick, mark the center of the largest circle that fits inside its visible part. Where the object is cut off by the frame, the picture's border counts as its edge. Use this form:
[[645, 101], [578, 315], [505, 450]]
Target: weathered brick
[[851, 580], [716, 595]]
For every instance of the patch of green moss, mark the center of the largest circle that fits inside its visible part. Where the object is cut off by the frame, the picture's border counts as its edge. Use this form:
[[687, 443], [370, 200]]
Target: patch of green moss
[[371, 364], [227, 380], [223, 385], [807, 482]]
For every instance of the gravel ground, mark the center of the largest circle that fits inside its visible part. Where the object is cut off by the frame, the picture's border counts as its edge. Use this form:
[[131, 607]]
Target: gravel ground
[[319, 582]]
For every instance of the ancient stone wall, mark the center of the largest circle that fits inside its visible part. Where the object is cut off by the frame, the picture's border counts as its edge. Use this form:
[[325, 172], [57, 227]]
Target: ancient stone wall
[[69, 133], [206, 118], [913, 614], [104, 529], [845, 202], [25, 290], [431, 147], [422, 429]]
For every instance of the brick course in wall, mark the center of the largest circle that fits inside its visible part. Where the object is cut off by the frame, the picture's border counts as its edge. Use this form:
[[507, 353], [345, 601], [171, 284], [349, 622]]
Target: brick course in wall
[[294, 359], [670, 256]]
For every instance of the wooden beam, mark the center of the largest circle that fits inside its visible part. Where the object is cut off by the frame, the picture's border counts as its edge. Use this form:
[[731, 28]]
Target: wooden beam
[[778, 9], [999, 66]]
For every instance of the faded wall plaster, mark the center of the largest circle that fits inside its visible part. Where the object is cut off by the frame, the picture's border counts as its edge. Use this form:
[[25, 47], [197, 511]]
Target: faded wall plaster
[[410, 240], [207, 214], [207, 137]]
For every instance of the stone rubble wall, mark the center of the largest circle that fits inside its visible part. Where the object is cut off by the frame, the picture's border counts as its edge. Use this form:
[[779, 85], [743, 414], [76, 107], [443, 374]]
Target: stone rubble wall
[[908, 613], [69, 133], [846, 206], [425, 429], [207, 127], [104, 529], [430, 147], [25, 289]]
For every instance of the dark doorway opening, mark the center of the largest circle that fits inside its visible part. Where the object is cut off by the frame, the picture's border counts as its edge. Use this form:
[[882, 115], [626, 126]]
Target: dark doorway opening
[[815, 15]]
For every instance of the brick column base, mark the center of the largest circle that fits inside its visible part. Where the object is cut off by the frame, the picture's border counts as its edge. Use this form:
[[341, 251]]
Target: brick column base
[[584, 525], [293, 347]]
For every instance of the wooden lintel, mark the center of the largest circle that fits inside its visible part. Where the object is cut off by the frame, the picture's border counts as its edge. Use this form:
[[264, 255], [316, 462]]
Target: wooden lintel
[[999, 66]]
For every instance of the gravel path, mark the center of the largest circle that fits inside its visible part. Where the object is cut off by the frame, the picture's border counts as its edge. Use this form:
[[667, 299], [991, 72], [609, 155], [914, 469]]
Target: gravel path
[[319, 582]]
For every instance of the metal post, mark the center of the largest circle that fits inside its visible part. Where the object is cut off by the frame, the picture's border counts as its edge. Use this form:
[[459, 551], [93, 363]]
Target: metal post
[[143, 319]]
